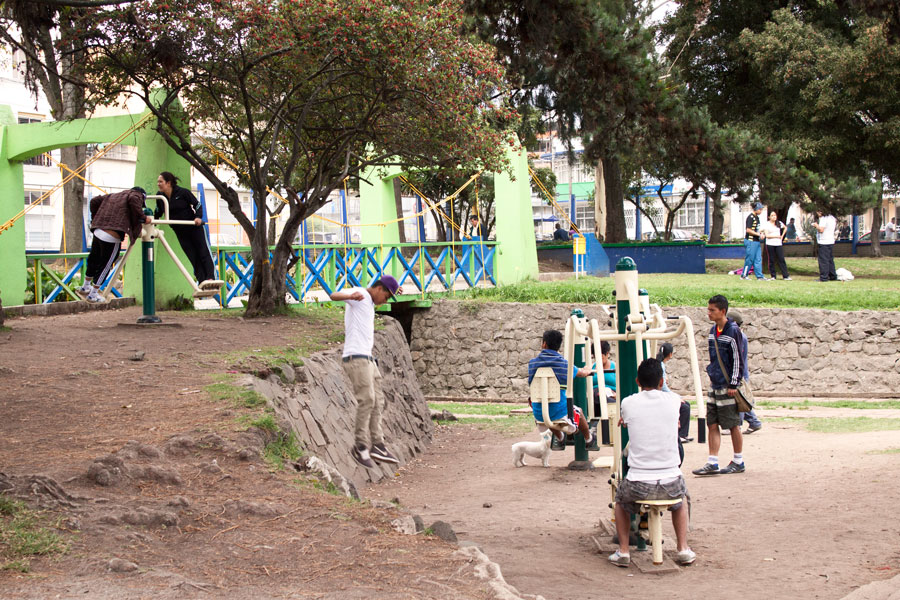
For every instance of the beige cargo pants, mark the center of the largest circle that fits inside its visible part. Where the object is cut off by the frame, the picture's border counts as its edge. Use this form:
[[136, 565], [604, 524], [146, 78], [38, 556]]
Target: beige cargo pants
[[366, 380]]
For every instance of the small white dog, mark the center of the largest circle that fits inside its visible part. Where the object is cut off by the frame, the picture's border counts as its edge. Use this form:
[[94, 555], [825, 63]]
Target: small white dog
[[539, 449]]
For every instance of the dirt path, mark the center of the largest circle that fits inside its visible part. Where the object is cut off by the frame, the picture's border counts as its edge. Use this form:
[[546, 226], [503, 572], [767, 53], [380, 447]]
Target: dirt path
[[809, 519], [180, 504]]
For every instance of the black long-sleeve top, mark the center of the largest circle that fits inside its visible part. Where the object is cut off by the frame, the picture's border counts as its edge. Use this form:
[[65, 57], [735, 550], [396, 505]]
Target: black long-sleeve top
[[183, 206]]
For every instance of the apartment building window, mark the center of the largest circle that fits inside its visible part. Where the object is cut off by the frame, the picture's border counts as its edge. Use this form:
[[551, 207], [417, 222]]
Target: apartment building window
[[584, 216], [32, 196], [38, 232], [691, 214], [41, 160]]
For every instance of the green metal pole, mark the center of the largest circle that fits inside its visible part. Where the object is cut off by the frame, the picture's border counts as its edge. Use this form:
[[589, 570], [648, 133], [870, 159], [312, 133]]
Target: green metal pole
[[580, 395], [627, 351], [149, 285]]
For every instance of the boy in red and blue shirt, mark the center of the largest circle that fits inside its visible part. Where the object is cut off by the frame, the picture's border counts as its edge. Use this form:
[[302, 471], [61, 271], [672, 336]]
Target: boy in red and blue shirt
[[550, 357]]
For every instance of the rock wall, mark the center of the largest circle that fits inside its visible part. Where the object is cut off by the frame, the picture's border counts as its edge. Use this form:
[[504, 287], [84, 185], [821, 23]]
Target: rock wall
[[478, 350], [316, 401]]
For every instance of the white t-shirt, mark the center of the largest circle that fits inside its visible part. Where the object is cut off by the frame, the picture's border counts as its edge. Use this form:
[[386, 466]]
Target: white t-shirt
[[773, 233], [652, 420], [359, 324], [826, 237]]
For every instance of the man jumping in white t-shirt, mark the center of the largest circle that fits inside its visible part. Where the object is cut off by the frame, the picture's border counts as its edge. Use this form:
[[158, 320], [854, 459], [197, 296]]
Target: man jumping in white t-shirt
[[362, 370], [651, 417]]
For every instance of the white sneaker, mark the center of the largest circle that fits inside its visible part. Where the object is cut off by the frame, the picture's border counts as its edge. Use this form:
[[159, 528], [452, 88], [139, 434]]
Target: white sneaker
[[94, 297], [84, 291], [619, 559], [685, 557]]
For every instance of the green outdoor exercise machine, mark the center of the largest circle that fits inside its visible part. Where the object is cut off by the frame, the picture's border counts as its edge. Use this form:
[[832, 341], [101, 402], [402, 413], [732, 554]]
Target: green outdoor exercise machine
[[149, 234]]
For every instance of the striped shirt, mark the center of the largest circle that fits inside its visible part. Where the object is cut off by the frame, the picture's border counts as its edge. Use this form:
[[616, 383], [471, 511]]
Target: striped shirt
[[560, 366]]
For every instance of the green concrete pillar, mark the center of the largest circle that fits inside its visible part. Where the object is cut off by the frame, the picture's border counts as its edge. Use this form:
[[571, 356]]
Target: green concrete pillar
[[516, 257], [12, 241], [154, 156], [377, 205]]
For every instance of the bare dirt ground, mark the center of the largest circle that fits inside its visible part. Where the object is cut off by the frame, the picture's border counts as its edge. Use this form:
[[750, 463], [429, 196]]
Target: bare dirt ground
[[191, 511], [188, 509], [811, 517]]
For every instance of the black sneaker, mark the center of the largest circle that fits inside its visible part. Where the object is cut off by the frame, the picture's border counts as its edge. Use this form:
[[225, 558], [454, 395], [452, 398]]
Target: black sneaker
[[707, 469], [557, 444], [361, 455], [381, 454], [733, 467], [750, 430]]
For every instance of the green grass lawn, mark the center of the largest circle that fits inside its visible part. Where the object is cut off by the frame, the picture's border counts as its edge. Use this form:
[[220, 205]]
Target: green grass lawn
[[843, 424], [875, 288]]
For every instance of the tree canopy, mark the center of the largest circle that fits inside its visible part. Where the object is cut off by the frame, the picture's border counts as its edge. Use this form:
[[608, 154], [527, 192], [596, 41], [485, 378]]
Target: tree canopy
[[302, 95]]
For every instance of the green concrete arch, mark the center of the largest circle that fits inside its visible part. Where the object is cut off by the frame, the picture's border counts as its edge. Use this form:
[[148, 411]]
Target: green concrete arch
[[19, 142], [516, 258]]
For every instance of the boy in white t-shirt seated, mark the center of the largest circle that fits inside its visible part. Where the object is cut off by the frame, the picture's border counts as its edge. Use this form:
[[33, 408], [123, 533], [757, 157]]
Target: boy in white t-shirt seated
[[651, 417]]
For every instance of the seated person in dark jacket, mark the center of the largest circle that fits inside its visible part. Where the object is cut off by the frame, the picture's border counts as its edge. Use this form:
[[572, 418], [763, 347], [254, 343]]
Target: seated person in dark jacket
[[560, 235], [184, 206]]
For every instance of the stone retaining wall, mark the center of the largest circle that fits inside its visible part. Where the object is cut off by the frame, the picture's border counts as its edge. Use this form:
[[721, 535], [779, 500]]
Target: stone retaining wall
[[479, 350], [316, 401]]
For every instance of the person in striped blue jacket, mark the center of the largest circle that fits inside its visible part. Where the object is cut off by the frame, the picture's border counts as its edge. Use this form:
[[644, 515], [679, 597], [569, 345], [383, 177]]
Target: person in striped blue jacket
[[725, 371], [550, 357]]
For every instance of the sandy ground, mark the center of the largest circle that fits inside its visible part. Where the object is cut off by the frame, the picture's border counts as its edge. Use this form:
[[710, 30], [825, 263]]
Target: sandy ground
[[810, 518]]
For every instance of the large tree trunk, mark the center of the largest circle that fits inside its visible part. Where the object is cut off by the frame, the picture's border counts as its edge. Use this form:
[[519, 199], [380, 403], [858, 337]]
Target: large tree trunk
[[266, 289], [718, 215], [72, 107], [73, 201], [398, 203], [876, 228], [599, 202], [615, 197], [439, 226]]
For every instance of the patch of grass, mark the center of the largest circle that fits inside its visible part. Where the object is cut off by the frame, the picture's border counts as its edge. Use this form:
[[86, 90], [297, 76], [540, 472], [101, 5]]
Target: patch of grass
[[4, 328], [509, 425], [428, 531], [475, 408], [25, 533], [885, 451], [179, 303], [283, 448], [844, 424], [323, 486], [824, 403], [266, 422], [237, 396], [874, 292]]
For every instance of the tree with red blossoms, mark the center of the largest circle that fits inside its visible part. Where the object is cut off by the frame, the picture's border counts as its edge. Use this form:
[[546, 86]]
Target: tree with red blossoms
[[302, 95]]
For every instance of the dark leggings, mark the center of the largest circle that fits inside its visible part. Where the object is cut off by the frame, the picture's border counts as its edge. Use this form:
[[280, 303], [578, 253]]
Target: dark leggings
[[101, 260], [193, 241], [776, 258], [684, 420]]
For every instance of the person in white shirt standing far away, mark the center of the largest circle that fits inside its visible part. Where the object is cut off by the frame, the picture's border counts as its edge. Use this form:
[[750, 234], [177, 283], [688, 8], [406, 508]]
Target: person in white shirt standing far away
[[362, 370], [651, 417], [825, 238]]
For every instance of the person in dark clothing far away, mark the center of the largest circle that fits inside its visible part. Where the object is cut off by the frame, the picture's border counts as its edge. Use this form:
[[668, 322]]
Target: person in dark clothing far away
[[560, 235], [476, 228], [184, 206]]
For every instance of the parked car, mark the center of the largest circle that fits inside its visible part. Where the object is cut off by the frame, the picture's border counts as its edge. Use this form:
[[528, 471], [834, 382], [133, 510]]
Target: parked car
[[678, 235], [868, 236], [222, 239]]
